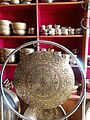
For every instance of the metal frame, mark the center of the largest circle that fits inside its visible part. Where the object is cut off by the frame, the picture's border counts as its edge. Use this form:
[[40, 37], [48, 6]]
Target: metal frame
[[83, 93]]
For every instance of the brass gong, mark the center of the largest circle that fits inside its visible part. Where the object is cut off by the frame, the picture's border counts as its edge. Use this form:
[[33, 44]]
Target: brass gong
[[44, 79]]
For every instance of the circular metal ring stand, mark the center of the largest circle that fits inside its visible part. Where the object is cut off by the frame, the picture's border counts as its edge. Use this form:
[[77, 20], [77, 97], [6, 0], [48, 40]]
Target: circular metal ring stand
[[82, 96]]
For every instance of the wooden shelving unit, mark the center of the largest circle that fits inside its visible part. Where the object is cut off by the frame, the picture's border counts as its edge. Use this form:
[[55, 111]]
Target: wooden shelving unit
[[36, 14]]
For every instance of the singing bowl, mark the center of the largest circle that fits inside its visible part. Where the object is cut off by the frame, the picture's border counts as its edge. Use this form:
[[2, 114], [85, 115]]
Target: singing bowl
[[25, 51], [44, 79], [6, 51], [14, 101], [3, 58], [36, 113], [18, 25], [5, 23]]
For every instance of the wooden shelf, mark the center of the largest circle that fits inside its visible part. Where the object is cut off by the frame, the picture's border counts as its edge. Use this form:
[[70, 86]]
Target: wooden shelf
[[56, 36], [34, 4], [88, 95], [12, 64], [17, 37], [61, 3], [88, 66], [74, 97], [37, 14], [77, 97], [68, 36], [17, 5], [88, 56]]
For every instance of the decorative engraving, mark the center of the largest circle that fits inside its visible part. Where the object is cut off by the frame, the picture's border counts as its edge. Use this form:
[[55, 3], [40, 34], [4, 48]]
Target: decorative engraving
[[44, 79]]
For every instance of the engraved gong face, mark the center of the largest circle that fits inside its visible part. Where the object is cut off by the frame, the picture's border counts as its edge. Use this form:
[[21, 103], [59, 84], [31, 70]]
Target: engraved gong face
[[44, 79]]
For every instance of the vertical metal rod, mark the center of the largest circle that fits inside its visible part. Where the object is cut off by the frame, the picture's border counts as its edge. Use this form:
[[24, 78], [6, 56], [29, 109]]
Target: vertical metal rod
[[84, 105], [2, 108], [87, 39], [87, 32]]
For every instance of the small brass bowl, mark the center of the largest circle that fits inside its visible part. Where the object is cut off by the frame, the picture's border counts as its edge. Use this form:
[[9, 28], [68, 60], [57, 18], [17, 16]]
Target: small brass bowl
[[19, 26]]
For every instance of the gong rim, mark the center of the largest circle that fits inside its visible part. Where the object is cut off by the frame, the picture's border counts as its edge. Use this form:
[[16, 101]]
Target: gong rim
[[57, 45]]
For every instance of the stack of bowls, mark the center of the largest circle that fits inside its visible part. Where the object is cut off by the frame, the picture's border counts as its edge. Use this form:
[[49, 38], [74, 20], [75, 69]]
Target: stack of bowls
[[4, 53], [25, 51], [5, 27], [19, 28]]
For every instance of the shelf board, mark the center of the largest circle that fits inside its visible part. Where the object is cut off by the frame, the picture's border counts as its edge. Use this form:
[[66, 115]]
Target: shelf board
[[17, 37], [77, 97], [88, 66], [88, 95], [68, 36], [12, 64], [60, 3], [74, 97], [56, 36], [17, 5], [88, 56], [33, 4]]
